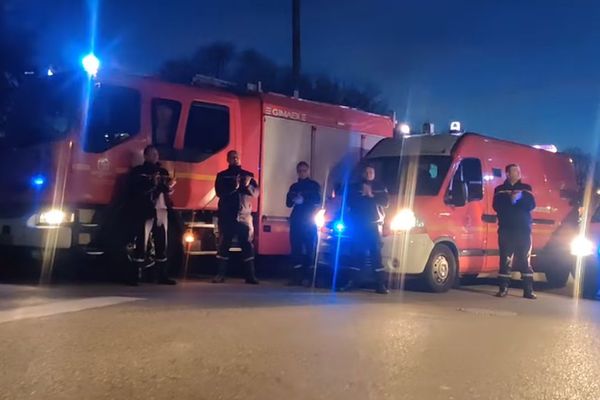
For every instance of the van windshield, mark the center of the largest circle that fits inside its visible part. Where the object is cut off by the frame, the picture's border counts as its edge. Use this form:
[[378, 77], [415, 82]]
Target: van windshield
[[397, 172], [39, 110]]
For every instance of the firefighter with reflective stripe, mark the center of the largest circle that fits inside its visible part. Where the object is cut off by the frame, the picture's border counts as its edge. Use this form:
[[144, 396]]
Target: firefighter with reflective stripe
[[151, 188], [367, 201], [305, 197], [513, 203], [235, 188]]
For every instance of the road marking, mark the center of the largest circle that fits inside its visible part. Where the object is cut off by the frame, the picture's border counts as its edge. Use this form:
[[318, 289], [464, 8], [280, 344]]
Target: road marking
[[62, 307]]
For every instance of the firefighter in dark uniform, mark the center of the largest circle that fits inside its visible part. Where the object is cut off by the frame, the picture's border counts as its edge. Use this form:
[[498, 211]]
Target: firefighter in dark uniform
[[235, 188], [305, 198], [513, 203], [151, 187], [367, 201]]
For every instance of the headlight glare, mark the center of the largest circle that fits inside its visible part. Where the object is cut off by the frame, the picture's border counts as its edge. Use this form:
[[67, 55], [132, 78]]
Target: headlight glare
[[582, 247], [404, 220]]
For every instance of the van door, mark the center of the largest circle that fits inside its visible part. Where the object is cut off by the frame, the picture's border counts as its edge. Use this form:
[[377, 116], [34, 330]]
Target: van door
[[490, 220], [464, 199]]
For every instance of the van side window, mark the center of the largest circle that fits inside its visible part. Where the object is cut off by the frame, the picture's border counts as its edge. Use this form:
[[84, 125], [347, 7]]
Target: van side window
[[165, 119], [473, 177], [467, 183], [497, 172]]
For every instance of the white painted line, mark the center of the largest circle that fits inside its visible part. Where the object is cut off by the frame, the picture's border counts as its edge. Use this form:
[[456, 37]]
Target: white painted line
[[62, 307]]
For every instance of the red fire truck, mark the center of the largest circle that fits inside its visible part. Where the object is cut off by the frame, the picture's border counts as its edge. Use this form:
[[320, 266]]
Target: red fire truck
[[441, 224], [69, 140]]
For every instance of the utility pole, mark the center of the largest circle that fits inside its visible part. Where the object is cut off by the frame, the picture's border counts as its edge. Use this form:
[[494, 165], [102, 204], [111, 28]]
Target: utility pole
[[296, 61]]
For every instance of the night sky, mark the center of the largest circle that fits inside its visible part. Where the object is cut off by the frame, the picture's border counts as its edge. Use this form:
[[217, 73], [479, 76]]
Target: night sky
[[526, 70]]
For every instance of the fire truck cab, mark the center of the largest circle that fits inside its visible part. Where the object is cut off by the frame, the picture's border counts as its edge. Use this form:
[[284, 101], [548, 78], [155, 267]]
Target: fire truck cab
[[70, 139], [441, 224]]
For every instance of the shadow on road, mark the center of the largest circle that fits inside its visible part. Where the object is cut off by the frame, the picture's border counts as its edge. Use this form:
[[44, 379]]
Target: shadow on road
[[194, 291]]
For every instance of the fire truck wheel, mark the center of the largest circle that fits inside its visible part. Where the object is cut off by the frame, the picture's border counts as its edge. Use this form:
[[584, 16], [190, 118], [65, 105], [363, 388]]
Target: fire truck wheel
[[557, 278], [440, 271]]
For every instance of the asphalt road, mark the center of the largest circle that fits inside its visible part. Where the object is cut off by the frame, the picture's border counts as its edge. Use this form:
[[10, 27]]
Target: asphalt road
[[203, 341]]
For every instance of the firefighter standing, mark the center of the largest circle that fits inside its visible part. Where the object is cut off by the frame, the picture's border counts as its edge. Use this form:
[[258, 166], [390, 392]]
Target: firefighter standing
[[367, 201], [151, 188], [513, 202], [235, 188], [305, 197]]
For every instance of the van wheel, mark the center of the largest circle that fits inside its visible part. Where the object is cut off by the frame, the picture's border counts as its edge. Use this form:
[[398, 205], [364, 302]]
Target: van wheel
[[440, 271], [557, 278]]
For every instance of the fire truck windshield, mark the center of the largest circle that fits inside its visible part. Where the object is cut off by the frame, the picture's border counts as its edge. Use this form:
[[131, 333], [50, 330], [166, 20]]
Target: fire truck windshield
[[426, 173], [39, 110]]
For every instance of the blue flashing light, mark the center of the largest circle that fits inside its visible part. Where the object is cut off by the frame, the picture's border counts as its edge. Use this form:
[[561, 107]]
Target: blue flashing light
[[91, 64], [38, 181], [50, 72], [339, 227]]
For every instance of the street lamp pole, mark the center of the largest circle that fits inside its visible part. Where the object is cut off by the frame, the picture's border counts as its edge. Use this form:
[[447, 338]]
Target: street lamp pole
[[296, 61]]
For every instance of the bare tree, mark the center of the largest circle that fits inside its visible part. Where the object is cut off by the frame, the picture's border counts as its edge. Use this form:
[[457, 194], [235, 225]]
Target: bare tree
[[214, 60], [221, 60], [582, 162]]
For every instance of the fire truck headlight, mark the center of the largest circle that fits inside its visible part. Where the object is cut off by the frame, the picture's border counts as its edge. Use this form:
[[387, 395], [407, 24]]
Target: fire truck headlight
[[404, 220], [91, 64], [189, 237], [55, 217], [582, 246], [320, 218]]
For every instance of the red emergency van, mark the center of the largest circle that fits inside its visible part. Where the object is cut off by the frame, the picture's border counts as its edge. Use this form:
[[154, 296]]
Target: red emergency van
[[441, 224], [70, 139], [585, 248]]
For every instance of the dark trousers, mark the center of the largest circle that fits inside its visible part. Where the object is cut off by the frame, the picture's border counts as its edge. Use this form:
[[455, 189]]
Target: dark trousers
[[303, 238], [368, 251], [244, 232], [515, 253]]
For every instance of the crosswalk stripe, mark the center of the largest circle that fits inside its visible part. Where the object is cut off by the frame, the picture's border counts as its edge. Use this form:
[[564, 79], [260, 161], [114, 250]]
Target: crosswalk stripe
[[62, 307]]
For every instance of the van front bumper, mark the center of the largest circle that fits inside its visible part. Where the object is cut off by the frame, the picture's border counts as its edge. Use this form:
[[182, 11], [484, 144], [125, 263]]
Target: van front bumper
[[405, 253]]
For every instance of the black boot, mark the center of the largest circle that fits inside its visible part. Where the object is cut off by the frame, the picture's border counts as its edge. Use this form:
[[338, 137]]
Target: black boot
[[307, 278], [296, 275], [251, 273], [162, 277], [348, 287], [528, 288], [353, 277], [134, 269], [503, 286], [221, 271], [381, 283]]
